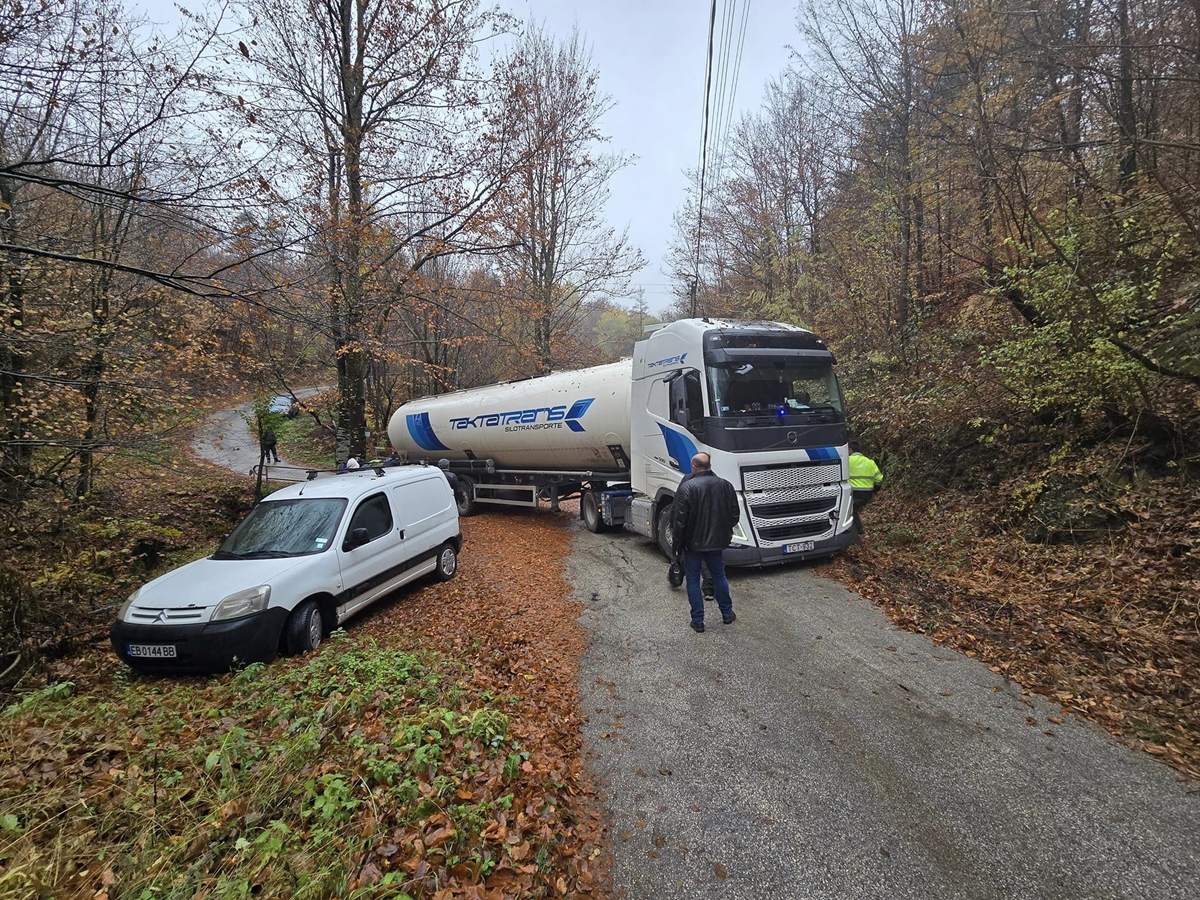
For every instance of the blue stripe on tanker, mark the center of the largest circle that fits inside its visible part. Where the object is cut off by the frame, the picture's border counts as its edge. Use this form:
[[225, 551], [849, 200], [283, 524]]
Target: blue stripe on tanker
[[822, 453], [422, 432]]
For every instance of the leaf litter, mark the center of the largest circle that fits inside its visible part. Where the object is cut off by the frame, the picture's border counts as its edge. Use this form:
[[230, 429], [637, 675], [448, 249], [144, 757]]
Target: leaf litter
[[432, 750], [1109, 630]]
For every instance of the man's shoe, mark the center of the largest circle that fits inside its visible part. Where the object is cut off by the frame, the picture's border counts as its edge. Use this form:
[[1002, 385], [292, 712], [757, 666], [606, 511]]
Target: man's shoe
[[709, 598], [729, 619], [698, 627]]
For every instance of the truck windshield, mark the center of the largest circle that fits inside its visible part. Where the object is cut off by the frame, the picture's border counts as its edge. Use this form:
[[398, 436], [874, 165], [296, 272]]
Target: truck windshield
[[774, 387], [278, 528]]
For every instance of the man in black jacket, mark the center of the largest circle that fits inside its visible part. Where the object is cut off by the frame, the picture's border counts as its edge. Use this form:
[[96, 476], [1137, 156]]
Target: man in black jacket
[[705, 511]]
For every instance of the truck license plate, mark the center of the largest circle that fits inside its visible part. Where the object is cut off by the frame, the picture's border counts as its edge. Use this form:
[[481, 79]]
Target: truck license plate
[[798, 547], [152, 651]]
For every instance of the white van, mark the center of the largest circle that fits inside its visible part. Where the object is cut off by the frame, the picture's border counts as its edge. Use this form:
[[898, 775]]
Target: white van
[[303, 561]]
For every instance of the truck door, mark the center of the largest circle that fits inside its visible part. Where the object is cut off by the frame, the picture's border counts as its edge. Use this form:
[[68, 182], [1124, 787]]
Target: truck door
[[676, 412], [687, 402]]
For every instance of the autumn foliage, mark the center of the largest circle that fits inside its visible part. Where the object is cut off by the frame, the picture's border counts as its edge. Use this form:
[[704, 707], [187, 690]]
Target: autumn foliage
[[431, 751]]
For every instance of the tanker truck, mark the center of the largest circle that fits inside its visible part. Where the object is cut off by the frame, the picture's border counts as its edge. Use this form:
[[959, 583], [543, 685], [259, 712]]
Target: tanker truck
[[760, 397]]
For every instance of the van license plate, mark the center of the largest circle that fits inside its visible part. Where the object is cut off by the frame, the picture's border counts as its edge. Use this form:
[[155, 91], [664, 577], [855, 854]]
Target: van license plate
[[152, 651], [798, 547]]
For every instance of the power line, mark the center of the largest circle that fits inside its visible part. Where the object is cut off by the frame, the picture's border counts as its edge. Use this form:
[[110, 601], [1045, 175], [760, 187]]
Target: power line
[[723, 143], [728, 64], [712, 21]]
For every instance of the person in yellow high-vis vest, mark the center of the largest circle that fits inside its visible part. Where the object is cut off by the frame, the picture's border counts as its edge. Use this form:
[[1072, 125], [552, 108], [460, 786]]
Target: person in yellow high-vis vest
[[865, 479]]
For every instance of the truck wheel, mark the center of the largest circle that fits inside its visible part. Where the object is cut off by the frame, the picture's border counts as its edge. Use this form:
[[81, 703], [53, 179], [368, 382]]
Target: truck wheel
[[304, 628], [589, 511], [663, 531], [447, 562], [464, 497]]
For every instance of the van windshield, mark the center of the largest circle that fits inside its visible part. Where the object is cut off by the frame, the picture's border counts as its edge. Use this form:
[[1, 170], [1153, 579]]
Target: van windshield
[[279, 528]]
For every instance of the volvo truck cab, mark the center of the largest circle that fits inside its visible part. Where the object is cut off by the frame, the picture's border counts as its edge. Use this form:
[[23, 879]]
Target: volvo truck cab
[[763, 400]]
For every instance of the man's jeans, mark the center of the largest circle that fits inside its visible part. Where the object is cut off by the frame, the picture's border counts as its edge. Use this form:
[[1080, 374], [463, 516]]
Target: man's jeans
[[716, 565]]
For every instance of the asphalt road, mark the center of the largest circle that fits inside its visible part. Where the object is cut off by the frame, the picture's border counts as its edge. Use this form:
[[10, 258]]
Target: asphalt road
[[225, 439], [812, 750]]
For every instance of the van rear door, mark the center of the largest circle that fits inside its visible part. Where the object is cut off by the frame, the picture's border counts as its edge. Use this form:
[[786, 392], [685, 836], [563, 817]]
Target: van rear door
[[426, 507]]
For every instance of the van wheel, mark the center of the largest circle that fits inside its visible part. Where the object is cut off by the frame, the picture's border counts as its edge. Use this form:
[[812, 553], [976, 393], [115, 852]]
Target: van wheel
[[589, 511], [447, 562], [304, 628], [464, 497], [663, 532]]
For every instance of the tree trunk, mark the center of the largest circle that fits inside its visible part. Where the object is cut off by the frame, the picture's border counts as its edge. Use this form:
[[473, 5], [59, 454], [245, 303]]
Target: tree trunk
[[1126, 114], [17, 458]]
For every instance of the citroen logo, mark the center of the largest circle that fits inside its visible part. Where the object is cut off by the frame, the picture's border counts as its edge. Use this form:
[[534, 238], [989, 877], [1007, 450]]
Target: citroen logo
[[161, 617]]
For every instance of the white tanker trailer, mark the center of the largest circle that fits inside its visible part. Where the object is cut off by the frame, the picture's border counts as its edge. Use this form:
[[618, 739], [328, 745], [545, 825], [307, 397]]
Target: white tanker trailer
[[760, 397]]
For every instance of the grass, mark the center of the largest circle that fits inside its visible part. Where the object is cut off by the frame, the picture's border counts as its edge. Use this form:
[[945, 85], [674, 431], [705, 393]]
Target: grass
[[274, 781]]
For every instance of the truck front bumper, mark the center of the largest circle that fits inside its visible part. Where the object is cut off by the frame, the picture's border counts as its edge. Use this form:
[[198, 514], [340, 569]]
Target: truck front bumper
[[774, 556], [207, 647]]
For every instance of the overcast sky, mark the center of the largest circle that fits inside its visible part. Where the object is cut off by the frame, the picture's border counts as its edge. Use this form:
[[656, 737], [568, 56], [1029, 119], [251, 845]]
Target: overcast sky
[[650, 55]]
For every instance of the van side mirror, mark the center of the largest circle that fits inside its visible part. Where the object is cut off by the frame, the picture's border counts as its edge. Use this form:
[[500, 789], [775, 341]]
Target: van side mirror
[[358, 537]]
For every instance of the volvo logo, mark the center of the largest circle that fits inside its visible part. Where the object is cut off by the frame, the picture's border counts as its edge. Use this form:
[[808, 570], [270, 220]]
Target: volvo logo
[[791, 437]]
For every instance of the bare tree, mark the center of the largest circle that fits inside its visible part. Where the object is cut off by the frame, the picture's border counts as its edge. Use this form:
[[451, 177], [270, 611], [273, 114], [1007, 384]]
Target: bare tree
[[561, 253], [866, 50], [376, 113], [94, 172]]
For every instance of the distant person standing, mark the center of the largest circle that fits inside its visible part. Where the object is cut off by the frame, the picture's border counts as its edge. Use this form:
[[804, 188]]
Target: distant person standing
[[270, 453], [705, 512], [865, 479]]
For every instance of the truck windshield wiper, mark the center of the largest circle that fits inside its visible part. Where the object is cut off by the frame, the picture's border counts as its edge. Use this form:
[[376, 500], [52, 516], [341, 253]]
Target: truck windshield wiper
[[265, 554], [226, 554]]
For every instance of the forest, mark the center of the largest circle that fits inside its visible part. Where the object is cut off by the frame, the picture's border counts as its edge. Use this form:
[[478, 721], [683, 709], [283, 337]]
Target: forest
[[989, 210]]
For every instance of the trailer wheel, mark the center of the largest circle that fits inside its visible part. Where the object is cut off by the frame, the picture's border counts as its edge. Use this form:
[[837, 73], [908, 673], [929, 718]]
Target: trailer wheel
[[589, 511], [663, 531], [464, 497]]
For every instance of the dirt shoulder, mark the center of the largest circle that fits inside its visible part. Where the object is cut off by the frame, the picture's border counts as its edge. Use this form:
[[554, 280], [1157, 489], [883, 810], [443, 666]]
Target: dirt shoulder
[[1110, 630]]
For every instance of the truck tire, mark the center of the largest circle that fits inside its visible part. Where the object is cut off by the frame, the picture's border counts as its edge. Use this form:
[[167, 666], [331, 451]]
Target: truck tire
[[447, 562], [663, 531], [304, 628], [464, 497], [589, 511]]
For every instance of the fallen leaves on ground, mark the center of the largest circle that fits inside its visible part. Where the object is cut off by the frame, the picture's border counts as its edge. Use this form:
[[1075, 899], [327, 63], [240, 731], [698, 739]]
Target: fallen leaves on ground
[[508, 615], [433, 751], [1110, 630]]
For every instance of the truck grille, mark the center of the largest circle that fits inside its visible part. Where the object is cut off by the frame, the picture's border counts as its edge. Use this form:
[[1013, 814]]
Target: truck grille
[[775, 478], [794, 501], [788, 509], [783, 533]]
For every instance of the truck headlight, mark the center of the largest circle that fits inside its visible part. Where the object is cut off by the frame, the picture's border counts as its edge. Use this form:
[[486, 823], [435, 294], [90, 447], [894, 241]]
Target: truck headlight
[[848, 515], [128, 603], [243, 603], [739, 533]]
